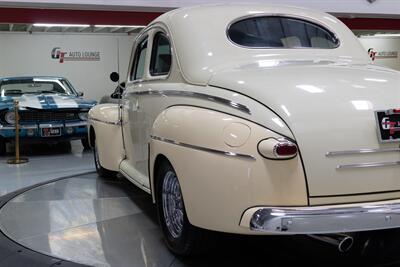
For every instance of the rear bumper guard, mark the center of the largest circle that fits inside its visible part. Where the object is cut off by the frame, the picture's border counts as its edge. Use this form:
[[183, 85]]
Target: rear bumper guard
[[323, 219]]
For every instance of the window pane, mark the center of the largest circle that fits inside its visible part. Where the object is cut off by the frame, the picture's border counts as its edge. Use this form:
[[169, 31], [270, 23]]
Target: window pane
[[281, 32], [161, 56], [139, 60]]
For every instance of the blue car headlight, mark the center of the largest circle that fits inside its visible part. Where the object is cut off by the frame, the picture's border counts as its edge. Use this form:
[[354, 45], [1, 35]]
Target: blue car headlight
[[9, 117]]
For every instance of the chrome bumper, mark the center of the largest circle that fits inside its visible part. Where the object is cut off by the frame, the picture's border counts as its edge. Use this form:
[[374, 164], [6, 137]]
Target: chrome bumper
[[324, 219], [45, 125]]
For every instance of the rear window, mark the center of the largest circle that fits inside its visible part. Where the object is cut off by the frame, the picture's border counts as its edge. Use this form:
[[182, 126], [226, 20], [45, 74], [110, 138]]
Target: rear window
[[281, 32]]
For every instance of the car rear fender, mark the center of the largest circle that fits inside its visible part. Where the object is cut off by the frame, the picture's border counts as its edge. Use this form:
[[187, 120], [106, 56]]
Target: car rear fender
[[105, 130], [220, 171]]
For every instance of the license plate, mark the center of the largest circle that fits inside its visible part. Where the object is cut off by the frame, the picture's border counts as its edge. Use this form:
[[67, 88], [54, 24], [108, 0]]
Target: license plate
[[49, 132], [388, 125]]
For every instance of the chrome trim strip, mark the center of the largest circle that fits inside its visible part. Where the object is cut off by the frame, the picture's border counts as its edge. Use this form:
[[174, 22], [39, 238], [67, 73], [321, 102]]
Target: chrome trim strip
[[201, 96], [321, 219], [285, 15], [205, 149], [107, 122], [76, 124], [50, 125], [28, 127], [361, 151], [368, 165], [20, 126]]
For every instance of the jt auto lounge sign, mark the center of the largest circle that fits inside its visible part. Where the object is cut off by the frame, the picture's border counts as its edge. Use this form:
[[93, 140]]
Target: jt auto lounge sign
[[63, 56]]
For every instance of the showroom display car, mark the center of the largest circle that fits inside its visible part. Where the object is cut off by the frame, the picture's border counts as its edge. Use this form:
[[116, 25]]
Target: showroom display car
[[50, 110], [264, 120]]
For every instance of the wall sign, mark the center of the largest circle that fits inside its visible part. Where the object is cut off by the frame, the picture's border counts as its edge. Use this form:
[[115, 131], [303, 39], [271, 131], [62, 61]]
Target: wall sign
[[382, 54], [62, 56]]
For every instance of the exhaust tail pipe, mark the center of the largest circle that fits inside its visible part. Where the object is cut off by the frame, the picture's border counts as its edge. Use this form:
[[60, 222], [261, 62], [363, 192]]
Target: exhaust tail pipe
[[342, 241]]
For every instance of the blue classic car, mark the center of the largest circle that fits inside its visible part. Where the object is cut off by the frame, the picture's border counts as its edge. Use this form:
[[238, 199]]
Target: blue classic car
[[50, 110]]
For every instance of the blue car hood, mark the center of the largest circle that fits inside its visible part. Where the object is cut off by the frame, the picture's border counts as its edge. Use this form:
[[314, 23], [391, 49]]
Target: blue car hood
[[47, 101]]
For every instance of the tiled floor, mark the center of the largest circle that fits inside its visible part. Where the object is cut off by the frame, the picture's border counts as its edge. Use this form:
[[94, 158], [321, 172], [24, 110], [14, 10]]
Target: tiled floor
[[110, 222], [45, 163]]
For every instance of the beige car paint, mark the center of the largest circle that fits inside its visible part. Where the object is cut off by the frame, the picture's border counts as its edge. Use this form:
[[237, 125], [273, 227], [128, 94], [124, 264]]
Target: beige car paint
[[219, 188], [103, 120]]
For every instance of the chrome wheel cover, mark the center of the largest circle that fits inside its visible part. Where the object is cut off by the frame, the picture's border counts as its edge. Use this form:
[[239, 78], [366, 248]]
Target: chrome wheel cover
[[172, 204]]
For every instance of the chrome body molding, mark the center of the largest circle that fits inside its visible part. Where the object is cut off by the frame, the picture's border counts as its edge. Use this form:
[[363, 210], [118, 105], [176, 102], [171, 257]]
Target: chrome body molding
[[368, 165], [51, 125], [202, 96], [361, 151], [325, 220], [33, 126], [76, 124], [107, 122], [205, 149]]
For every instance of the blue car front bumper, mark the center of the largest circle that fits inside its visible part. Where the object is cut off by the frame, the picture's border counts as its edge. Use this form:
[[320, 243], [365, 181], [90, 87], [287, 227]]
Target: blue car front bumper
[[65, 131]]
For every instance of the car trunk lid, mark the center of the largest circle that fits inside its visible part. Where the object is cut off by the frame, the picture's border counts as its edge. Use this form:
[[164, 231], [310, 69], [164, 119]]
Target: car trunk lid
[[329, 108]]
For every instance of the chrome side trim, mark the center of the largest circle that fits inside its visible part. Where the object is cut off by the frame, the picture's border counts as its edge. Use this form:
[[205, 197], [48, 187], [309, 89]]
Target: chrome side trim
[[107, 122], [368, 165], [205, 149], [201, 96], [76, 124], [325, 220], [361, 151]]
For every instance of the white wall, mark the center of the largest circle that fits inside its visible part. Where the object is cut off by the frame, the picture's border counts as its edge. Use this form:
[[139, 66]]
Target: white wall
[[385, 47], [30, 54], [337, 6]]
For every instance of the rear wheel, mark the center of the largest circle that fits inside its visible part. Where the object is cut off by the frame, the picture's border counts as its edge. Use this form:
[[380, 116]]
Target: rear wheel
[[181, 237], [2, 146], [102, 172]]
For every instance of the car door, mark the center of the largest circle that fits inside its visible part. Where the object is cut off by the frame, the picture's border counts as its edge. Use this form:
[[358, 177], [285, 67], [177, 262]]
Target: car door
[[149, 73], [135, 164]]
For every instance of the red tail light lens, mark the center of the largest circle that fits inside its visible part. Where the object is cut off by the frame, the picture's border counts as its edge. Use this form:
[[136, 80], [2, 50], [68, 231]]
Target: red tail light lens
[[280, 149], [285, 149]]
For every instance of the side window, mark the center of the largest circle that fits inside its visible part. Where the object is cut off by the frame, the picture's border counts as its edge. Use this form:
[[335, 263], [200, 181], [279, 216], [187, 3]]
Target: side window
[[139, 60], [160, 63]]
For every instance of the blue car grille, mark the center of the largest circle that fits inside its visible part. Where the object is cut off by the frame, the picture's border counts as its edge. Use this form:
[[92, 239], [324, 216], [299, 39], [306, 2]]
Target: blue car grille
[[46, 116]]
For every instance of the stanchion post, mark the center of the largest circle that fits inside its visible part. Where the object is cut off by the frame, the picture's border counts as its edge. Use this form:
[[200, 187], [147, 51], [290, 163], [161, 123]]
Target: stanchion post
[[17, 159]]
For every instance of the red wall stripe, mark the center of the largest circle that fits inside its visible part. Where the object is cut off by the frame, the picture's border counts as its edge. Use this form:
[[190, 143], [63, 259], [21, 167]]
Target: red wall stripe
[[372, 23], [92, 17], [35, 15]]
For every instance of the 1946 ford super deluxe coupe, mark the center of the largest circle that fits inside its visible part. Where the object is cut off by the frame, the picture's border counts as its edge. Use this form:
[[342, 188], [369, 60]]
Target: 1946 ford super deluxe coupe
[[255, 119]]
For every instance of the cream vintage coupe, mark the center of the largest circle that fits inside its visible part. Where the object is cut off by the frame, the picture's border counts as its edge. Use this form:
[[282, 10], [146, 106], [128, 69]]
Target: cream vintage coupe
[[255, 119]]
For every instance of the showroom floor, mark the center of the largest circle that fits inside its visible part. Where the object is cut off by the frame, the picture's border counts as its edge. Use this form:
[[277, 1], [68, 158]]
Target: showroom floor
[[77, 217]]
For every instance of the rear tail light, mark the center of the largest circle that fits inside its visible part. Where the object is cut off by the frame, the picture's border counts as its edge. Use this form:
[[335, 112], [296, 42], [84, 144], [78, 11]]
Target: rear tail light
[[282, 148], [285, 149]]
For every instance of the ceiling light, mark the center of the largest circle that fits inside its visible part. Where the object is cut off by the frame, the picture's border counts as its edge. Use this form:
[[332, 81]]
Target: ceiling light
[[387, 35], [49, 25], [310, 88], [119, 26]]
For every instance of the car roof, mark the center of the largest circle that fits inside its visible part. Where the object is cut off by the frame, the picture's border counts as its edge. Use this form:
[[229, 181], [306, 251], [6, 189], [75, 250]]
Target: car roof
[[202, 47], [30, 78]]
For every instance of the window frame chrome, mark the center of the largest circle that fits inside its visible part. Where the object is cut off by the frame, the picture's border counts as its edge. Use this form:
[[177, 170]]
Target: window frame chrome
[[290, 16]]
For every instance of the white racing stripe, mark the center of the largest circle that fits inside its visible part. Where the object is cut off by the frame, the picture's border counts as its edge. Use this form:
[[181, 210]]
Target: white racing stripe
[[64, 102], [30, 101]]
